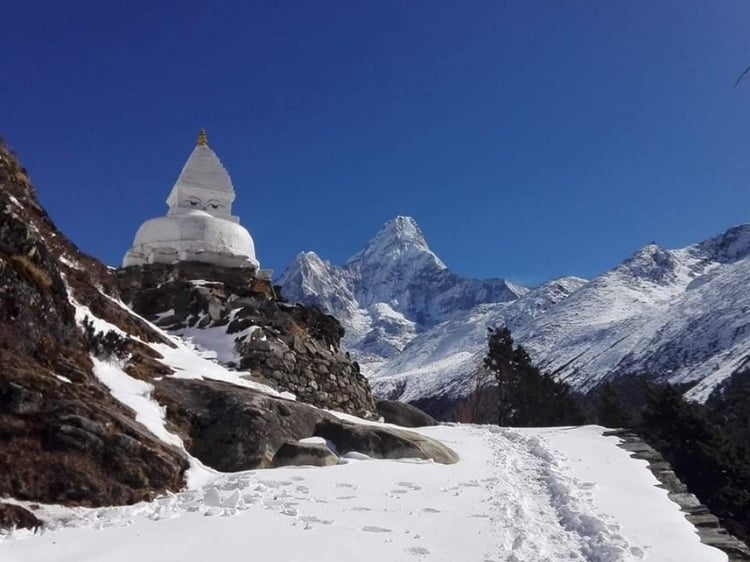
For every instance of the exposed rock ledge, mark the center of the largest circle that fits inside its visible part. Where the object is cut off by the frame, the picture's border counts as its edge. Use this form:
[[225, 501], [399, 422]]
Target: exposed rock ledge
[[233, 428]]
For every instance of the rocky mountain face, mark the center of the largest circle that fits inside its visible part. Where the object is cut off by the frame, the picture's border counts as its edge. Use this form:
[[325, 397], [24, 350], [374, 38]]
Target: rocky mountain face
[[63, 437], [99, 406], [390, 292], [420, 331]]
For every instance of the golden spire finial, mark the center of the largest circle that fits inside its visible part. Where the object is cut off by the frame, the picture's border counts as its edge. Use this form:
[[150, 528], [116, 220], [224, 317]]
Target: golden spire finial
[[202, 137]]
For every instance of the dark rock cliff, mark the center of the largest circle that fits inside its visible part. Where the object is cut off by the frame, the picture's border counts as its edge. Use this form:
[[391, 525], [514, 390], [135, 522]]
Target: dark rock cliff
[[63, 438]]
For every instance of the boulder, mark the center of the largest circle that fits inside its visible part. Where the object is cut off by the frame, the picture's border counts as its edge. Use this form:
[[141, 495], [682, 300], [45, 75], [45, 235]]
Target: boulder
[[304, 454], [233, 428], [383, 442], [16, 517], [403, 414]]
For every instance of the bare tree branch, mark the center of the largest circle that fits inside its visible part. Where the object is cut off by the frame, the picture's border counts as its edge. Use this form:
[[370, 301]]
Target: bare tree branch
[[742, 76]]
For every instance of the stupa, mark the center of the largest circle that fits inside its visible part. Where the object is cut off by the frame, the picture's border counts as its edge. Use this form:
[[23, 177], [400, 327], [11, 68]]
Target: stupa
[[199, 225]]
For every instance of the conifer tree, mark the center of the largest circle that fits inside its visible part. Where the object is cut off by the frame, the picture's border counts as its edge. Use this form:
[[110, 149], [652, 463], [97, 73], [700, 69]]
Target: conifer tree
[[526, 397], [610, 410], [714, 467]]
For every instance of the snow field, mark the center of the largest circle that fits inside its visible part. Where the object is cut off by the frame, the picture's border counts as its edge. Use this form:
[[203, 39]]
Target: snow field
[[515, 495]]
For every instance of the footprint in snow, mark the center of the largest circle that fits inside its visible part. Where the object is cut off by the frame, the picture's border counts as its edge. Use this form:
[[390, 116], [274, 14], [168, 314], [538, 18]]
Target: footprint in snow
[[213, 512], [431, 510], [251, 498], [211, 497], [313, 519], [375, 529], [454, 489], [470, 484], [359, 508], [275, 504], [345, 497], [417, 551], [409, 485], [275, 483]]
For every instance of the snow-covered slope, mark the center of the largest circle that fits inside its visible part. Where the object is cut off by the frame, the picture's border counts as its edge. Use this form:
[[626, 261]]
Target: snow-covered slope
[[389, 292], [542, 494], [444, 360], [678, 315]]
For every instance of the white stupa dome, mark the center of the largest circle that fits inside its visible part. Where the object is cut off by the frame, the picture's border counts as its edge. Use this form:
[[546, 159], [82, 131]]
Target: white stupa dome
[[199, 225]]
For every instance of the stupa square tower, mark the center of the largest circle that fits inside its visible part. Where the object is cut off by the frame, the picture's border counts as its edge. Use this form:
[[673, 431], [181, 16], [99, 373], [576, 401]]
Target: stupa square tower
[[199, 225]]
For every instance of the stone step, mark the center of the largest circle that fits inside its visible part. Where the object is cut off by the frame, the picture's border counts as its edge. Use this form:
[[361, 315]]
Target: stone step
[[705, 520]]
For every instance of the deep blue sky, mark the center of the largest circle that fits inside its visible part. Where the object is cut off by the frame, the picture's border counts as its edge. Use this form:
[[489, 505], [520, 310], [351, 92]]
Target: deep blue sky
[[529, 139]]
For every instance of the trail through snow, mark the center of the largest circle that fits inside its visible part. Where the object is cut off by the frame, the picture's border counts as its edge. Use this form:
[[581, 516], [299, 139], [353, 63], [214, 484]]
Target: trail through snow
[[515, 495]]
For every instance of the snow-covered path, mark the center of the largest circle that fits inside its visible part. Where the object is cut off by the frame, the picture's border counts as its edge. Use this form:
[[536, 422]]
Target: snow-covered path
[[516, 495], [548, 499]]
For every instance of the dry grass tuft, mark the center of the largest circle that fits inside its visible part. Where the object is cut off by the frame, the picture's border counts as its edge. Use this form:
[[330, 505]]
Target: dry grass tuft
[[33, 272]]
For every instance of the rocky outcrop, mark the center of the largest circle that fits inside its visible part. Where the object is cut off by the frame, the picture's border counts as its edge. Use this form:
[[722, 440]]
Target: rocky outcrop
[[403, 414], [232, 428], [16, 517], [63, 438], [304, 454], [383, 442], [294, 348], [70, 442]]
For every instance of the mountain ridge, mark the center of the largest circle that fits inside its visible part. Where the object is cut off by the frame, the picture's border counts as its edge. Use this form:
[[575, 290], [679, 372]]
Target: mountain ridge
[[393, 289], [676, 314]]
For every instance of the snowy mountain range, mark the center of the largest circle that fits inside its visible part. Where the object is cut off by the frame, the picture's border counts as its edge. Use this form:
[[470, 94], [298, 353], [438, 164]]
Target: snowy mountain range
[[419, 330], [390, 292]]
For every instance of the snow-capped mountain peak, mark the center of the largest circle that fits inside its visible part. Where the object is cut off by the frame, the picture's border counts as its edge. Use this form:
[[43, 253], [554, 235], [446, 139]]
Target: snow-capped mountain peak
[[398, 240], [395, 288], [309, 275]]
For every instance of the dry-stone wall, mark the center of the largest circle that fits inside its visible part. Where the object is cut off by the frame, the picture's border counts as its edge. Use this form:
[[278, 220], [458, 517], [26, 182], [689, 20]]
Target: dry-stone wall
[[708, 525]]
